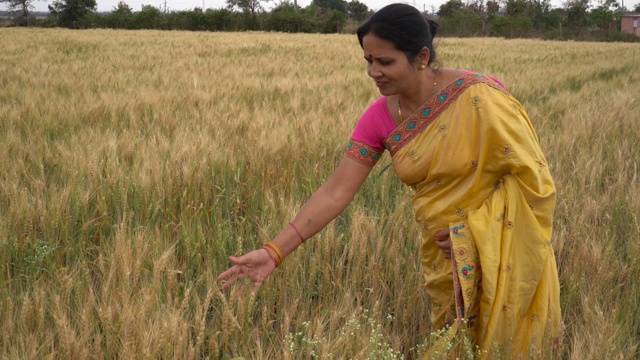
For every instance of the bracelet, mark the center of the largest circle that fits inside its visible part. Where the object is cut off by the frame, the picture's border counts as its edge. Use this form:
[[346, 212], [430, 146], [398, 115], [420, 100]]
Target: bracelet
[[297, 232], [274, 251]]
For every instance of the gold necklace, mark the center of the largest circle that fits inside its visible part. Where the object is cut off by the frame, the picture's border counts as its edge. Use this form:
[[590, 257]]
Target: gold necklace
[[432, 94]]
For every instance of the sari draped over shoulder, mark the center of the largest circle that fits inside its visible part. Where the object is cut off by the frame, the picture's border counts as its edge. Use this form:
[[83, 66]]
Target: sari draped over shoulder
[[473, 159]]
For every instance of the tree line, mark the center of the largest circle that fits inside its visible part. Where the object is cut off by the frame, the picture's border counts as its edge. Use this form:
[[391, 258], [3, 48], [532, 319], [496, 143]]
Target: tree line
[[576, 19]]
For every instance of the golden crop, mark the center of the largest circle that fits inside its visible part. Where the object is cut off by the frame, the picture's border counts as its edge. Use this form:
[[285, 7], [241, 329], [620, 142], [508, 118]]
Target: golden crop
[[135, 162]]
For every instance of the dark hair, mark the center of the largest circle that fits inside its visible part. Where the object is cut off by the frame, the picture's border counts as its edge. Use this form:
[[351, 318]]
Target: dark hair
[[405, 27]]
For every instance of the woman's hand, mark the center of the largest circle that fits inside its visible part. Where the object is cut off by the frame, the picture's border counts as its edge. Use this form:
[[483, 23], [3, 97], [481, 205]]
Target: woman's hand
[[256, 266], [443, 241]]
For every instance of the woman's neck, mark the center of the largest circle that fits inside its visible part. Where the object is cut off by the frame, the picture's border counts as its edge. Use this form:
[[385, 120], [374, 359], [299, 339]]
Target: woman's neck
[[425, 88]]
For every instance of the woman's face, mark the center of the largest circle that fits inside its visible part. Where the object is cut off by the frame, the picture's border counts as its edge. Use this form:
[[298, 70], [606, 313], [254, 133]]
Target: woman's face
[[388, 66]]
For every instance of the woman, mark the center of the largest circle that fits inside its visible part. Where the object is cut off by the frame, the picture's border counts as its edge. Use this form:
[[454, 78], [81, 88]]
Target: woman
[[484, 197]]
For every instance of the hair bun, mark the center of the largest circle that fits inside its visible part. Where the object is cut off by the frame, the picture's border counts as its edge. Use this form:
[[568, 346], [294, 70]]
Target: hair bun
[[433, 27]]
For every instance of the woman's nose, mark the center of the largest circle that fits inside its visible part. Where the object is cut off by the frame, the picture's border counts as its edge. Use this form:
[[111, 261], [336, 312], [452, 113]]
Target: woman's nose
[[374, 71]]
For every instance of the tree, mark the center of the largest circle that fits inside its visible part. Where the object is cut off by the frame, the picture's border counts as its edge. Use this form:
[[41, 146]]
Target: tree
[[287, 18], [21, 8], [604, 16], [148, 18], [332, 21], [337, 5], [477, 6], [464, 22], [577, 13], [121, 16], [539, 12], [69, 12], [516, 8], [493, 8], [249, 7], [357, 10], [511, 27], [123, 8], [637, 9], [219, 20], [552, 20], [450, 8]]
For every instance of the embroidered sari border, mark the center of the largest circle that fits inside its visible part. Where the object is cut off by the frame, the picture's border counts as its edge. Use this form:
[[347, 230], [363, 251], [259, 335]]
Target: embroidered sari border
[[433, 108], [363, 153]]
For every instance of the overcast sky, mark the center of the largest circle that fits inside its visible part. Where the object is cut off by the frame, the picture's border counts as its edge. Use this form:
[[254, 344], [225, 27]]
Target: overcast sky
[[108, 5]]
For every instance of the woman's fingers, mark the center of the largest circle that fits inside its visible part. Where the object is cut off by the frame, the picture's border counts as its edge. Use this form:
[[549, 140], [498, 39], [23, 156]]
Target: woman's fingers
[[254, 266], [245, 266], [239, 260], [256, 285], [442, 234], [445, 246], [229, 272], [233, 279], [443, 241]]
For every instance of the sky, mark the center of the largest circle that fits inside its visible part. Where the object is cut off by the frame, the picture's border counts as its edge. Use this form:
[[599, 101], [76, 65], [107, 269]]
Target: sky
[[136, 5]]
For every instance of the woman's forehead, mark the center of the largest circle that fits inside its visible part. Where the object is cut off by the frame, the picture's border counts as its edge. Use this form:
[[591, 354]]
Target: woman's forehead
[[374, 46]]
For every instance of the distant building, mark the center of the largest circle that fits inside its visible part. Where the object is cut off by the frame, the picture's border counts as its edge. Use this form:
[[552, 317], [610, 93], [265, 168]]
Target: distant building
[[631, 24]]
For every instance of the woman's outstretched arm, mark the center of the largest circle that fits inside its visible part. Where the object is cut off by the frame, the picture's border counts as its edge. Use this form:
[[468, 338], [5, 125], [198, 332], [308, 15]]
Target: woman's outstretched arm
[[325, 204]]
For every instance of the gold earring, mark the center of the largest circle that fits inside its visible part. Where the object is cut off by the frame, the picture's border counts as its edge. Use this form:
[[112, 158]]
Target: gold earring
[[422, 66]]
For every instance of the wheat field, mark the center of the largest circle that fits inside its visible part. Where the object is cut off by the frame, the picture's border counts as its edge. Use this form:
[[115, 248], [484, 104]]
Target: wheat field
[[135, 162]]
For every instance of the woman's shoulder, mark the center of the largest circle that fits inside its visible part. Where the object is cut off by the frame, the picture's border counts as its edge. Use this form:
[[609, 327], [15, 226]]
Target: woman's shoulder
[[454, 77], [447, 75], [378, 110], [452, 74]]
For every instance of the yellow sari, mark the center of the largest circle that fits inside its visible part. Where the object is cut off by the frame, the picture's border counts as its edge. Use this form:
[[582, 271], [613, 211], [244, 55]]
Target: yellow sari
[[473, 159]]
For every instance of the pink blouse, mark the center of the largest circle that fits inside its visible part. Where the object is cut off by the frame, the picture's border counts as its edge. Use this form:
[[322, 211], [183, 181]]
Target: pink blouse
[[375, 125]]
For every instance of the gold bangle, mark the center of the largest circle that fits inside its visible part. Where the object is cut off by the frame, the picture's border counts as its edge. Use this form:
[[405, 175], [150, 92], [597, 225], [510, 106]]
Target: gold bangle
[[275, 252], [276, 248], [272, 255]]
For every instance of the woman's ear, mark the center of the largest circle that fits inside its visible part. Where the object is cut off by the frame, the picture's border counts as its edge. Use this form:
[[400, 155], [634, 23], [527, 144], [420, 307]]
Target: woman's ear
[[421, 60], [423, 57]]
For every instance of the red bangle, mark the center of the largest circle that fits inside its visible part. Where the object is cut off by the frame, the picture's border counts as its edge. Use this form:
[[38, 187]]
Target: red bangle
[[297, 232]]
